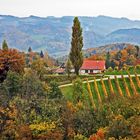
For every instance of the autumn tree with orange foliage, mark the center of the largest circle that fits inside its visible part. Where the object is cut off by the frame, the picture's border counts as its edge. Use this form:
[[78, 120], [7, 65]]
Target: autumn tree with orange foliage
[[98, 136], [8, 122], [10, 59], [127, 56]]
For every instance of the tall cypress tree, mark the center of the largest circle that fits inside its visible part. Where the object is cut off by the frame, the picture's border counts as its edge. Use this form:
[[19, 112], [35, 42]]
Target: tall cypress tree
[[76, 55]]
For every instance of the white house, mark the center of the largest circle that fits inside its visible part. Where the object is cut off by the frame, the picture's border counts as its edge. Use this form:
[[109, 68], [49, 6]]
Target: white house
[[92, 66]]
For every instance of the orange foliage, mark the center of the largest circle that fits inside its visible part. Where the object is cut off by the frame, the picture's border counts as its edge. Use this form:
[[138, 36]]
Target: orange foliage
[[93, 137], [116, 62], [13, 59], [71, 107], [98, 136], [8, 117], [24, 132], [124, 55], [113, 53], [56, 135], [131, 49], [96, 57]]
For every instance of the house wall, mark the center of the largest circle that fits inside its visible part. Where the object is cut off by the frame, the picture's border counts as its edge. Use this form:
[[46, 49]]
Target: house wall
[[82, 72], [94, 71]]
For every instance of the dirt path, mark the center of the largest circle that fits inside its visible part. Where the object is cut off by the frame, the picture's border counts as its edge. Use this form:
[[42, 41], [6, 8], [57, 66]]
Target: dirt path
[[111, 77]]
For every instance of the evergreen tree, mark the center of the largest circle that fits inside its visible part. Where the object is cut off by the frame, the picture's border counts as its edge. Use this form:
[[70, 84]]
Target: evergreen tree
[[112, 64], [4, 45], [41, 54], [138, 51], [118, 55], [108, 63], [29, 49], [76, 55]]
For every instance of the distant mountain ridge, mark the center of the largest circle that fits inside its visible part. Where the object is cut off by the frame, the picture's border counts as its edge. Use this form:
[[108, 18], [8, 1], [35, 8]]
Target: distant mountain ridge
[[54, 34], [123, 36]]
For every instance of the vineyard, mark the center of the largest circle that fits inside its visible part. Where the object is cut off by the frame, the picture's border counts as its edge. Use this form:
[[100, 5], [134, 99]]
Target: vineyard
[[99, 91]]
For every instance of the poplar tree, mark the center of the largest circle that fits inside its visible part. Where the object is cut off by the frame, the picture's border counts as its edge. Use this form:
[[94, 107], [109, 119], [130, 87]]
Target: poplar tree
[[76, 55]]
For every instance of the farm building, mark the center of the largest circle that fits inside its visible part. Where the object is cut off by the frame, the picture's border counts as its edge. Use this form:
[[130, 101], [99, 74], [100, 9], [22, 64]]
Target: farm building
[[60, 71], [92, 66]]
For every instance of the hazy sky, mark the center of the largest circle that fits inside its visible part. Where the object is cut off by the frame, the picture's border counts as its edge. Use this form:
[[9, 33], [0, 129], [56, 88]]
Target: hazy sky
[[43, 8]]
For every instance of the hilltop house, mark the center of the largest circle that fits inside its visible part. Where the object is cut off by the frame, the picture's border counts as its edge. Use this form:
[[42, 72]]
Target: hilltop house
[[92, 66]]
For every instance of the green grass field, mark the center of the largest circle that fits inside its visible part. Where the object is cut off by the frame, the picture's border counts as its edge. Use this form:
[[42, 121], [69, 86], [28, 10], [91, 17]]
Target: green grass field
[[67, 91], [122, 72]]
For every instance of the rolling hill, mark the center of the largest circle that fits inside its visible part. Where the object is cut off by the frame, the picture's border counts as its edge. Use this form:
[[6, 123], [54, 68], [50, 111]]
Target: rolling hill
[[54, 34], [124, 35], [106, 48]]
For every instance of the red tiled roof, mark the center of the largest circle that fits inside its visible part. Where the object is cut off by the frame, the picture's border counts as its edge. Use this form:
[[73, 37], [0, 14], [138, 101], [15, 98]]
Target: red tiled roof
[[93, 65], [60, 70]]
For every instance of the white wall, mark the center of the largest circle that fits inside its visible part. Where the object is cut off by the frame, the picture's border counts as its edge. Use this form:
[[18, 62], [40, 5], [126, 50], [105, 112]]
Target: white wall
[[94, 71]]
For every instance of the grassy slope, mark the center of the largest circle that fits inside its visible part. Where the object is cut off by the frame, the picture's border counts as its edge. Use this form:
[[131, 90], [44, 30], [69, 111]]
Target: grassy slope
[[67, 91], [122, 72]]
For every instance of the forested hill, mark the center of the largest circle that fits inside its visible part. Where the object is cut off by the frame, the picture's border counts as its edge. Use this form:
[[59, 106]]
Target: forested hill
[[107, 48], [54, 34]]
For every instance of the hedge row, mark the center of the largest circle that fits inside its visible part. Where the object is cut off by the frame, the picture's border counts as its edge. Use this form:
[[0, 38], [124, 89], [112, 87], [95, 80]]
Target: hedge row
[[64, 79]]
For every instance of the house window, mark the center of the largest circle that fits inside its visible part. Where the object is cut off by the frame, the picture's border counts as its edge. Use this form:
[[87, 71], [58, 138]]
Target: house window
[[86, 71], [91, 71]]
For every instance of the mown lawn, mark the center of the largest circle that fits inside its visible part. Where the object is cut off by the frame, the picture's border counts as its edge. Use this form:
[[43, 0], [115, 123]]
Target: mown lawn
[[67, 91]]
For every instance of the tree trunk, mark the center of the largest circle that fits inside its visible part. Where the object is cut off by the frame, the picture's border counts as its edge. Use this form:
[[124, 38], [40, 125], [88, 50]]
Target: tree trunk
[[77, 71]]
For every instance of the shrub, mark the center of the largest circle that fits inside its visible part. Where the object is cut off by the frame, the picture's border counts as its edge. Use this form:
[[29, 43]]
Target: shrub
[[119, 127], [80, 137], [42, 127], [55, 92], [98, 136], [110, 69], [12, 84], [77, 90], [131, 68], [116, 68], [134, 122], [24, 132], [138, 67]]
